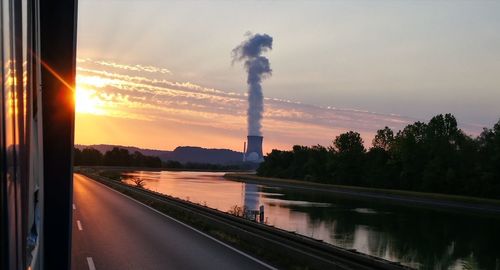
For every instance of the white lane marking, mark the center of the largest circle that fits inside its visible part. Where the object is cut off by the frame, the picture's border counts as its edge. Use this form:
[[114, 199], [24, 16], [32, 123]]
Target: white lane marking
[[74, 207], [184, 224], [91, 263], [79, 224]]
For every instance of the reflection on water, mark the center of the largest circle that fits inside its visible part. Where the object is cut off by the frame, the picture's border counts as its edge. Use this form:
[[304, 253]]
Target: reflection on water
[[418, 237], [251, 197]]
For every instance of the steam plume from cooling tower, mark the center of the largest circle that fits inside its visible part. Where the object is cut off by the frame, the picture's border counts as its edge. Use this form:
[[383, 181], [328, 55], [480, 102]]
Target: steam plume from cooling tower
[[257, 67]]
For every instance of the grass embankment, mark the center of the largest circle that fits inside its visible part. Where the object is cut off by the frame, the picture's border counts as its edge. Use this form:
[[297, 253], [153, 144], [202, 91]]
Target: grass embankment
[[442, 200]]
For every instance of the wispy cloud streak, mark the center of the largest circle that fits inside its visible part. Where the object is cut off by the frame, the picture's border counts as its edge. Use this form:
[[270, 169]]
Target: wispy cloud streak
[[137, 67], [119, 92]]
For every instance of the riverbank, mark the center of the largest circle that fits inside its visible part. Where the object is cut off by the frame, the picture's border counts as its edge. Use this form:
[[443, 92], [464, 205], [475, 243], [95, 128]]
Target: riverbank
[[398, 196]]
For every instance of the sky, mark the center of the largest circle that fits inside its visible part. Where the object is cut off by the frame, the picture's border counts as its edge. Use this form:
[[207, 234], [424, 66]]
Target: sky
[[158, 74]]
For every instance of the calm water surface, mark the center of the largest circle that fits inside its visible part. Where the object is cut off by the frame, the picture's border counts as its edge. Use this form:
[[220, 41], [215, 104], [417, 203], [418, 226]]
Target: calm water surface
[[419, 237]]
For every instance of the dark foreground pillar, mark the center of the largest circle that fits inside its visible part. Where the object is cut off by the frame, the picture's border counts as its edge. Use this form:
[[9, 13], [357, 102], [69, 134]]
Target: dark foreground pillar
[[58, 55]]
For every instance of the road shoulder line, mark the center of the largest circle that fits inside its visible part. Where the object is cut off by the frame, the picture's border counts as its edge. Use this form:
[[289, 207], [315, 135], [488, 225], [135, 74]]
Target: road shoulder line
[[91, 263]]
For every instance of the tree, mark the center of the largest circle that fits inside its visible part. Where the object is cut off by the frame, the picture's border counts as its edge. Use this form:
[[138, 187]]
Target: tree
[[348, 159], [377, 168], [118, 157], [138, 182], [317, 162], [297, 167], [489, 160], [277, 164], [349, 142], [408, 155], [138, 159], [383, 139], [171, 164], [91, 157], [432, 157], [443, 127], [77, 157]]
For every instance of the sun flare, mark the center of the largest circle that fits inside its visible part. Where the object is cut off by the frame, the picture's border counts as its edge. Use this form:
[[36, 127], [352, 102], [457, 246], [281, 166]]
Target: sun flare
[[88, 101]]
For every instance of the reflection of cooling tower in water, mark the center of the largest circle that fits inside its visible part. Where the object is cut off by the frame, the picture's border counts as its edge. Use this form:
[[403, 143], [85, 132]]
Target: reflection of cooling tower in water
[[251, 197], [254, 149]]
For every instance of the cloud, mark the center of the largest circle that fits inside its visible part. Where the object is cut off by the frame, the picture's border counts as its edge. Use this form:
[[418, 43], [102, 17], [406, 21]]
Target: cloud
[[118, 92], [137, 67]]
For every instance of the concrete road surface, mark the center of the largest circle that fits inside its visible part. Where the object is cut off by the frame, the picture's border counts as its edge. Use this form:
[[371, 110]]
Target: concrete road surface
[[112, 231]]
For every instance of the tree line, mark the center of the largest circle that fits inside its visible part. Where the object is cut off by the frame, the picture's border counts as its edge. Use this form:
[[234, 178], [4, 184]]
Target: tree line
[[114, 157], [124, 158], [429, 157]]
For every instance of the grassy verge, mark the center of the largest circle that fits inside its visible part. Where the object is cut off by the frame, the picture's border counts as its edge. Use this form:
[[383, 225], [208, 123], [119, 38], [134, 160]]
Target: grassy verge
[[362, 191]]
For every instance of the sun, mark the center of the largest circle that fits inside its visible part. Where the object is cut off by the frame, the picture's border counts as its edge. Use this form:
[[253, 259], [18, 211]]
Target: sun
[[87, 101]]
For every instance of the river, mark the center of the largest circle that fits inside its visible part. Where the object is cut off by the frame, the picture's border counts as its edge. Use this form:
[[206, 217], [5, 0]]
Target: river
[[424, 238]]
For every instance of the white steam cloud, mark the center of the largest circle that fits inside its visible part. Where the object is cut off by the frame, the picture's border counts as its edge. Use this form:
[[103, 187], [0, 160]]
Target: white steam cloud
[[257, 67]]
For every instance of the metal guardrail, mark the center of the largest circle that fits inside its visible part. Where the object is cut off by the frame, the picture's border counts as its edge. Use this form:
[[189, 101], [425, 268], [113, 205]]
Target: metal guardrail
[[314, 253]]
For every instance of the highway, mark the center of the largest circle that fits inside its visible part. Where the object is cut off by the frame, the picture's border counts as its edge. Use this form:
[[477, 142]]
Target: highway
[[112, 231]]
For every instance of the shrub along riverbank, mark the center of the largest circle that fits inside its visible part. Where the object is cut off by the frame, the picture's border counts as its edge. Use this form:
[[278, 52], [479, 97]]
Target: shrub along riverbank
[[435, 157]]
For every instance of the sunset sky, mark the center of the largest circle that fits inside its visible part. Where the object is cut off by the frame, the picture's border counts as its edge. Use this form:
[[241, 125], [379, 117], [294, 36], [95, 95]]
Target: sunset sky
[[158, 74]]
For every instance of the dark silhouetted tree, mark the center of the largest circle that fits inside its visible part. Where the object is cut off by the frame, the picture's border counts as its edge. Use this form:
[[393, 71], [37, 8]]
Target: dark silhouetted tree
[[118, 157], [348, 159], [433, 157], [88, 157], [383, 139]]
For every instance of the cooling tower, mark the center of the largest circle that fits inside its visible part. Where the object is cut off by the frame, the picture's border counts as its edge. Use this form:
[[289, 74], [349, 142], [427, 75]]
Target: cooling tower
[[254, 149]]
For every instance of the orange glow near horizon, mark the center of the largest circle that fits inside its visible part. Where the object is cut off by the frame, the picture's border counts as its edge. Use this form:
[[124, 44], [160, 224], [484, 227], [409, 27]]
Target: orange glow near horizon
[[130, 109]]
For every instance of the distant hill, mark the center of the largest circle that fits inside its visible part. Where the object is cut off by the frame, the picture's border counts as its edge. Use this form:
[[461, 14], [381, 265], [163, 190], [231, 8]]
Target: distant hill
[[183, 154]]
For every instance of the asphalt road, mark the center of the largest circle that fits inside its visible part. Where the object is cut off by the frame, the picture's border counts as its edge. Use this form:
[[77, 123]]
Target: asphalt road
[[112, 231]]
